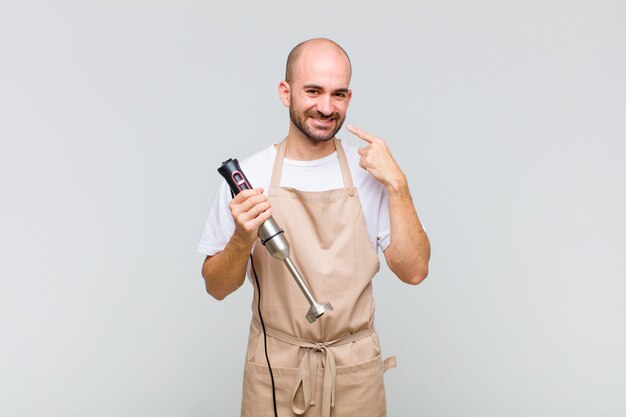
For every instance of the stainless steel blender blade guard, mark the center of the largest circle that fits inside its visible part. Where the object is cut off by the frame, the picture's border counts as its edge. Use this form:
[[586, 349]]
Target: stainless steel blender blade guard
[[317, 310]]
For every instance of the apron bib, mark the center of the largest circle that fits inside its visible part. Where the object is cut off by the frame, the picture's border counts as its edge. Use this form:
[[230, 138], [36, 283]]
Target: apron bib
[[332, 367]]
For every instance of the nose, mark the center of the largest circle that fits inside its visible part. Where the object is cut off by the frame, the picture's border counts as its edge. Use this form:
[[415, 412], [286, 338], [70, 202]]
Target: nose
[[325, 105]]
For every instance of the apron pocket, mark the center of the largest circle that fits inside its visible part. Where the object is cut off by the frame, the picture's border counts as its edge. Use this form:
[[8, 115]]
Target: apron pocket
[[257, 391], [361, 390]]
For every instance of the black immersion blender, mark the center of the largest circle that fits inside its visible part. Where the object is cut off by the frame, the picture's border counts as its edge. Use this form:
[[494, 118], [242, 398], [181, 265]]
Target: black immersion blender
[[273, 238]]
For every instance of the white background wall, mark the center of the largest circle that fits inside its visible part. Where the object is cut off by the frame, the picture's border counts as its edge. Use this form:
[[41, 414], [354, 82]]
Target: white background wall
[[508, 118]]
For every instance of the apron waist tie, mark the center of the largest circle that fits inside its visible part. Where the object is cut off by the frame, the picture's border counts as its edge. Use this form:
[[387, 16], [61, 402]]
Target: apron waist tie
[[306, 375]]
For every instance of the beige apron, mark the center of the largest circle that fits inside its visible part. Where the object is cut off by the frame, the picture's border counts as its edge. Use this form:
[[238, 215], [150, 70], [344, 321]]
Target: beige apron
[[332, 367]]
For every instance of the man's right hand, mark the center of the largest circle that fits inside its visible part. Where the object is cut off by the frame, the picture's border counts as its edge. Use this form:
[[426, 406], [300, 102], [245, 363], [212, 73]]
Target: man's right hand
[[249, 208], [225, 271]]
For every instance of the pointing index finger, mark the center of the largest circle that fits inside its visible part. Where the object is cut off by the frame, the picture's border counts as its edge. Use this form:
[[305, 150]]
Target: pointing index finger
[[362, 134]]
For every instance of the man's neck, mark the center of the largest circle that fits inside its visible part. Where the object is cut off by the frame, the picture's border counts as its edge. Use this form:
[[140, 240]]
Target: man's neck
[[301, 148]]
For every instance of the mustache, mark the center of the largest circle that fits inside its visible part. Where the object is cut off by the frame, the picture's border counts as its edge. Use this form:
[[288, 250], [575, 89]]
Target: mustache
[[322, 116]]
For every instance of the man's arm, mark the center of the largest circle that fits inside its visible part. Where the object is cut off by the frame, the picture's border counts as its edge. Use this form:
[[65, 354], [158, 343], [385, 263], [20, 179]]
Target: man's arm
[[409, 250], [225, 271]]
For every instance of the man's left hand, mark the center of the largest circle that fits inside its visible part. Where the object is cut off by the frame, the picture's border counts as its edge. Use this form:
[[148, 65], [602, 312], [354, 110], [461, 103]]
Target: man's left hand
[[377, 160]]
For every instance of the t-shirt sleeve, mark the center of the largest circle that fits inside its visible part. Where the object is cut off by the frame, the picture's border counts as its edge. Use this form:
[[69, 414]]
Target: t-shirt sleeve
[[219, 225], [384, 227]]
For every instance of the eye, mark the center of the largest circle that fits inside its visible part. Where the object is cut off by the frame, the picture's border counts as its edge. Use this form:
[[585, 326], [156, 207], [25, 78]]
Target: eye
[[312, 91]]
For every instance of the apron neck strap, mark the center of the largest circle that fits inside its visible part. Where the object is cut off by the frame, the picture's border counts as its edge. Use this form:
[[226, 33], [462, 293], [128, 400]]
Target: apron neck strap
[[343, 164], [345, 169]]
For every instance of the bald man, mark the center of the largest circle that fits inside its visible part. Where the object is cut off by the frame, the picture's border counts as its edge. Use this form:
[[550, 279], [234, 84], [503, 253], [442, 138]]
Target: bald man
[[339, 205]]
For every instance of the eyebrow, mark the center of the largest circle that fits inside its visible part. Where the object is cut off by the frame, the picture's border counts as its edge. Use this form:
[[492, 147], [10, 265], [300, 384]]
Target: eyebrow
[[317, 87]]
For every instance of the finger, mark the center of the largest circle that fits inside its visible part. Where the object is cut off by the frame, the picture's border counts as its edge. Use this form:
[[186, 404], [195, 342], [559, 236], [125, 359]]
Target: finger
[[363, 163], [254, 223], [257, 209], [243, 195], [264, 216], [362, 134], [249, 203], [361, 151], [246, 216]]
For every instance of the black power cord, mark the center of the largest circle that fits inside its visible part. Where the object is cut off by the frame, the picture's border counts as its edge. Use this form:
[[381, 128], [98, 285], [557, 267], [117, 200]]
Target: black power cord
[[256, 278]]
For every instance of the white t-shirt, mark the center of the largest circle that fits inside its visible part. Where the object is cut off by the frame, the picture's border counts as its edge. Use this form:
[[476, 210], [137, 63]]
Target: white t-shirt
[[319, 175]]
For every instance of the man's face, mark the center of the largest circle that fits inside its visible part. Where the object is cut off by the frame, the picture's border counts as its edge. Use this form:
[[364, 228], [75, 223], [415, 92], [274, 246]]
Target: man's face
[[319, 95]]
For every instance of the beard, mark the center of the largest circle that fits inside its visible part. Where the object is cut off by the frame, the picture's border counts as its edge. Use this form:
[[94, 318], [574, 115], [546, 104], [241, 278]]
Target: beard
[[316, 135]]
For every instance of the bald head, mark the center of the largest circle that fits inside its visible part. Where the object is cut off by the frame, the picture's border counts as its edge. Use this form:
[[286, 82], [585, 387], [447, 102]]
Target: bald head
[[318, 45]]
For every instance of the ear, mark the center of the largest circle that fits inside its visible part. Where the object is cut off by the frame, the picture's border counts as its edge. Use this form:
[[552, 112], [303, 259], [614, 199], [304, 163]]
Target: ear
[[284, 93], [349, 96]]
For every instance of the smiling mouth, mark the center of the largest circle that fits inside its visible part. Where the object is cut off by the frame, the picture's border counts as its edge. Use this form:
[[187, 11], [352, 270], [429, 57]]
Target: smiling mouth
[[323, 121]]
